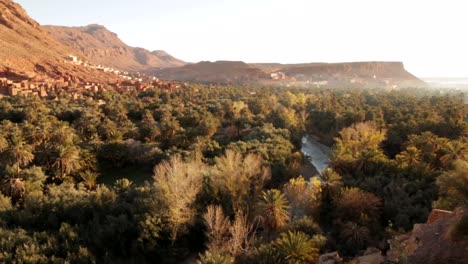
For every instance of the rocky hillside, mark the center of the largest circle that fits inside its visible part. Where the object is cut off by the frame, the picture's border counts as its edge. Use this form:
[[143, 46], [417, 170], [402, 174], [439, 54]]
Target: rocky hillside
[[350, 72], [213, 72], [29, 52], [390, 70], [379, 74], [101, 46]]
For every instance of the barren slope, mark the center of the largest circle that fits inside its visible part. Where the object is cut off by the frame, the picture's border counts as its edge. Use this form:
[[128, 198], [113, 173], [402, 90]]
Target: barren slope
[[28, 51], [101, 46]]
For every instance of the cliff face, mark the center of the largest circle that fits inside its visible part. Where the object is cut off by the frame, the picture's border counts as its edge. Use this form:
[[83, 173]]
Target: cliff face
[[368, 73], [101, 46], [28, 51], [393, 70]]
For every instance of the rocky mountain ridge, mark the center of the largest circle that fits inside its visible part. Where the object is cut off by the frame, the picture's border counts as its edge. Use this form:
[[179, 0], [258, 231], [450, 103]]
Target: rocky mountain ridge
[[378, 74], [101, 46], [29, 52]]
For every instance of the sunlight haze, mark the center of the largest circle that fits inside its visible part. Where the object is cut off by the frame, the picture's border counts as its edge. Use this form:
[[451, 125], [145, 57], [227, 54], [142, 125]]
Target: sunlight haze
[[428, 36]]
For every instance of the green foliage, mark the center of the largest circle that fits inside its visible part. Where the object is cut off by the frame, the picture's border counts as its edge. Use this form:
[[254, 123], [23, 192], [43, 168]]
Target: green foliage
[[209, 258], [354, 235], [242, 178], [460, 230], [296, 247], [453, 187], [179, 183], [89, 179], [272, 209], [396, 154]]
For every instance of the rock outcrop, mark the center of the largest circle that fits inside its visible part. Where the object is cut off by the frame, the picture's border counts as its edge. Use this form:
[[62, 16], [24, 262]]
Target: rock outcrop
[[371, 256], [29, 52], [101, 46], [330, 258], [435, 242]]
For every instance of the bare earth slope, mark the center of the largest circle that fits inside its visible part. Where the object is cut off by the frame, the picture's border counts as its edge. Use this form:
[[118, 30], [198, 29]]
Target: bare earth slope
[[101, 46], [29, 52]]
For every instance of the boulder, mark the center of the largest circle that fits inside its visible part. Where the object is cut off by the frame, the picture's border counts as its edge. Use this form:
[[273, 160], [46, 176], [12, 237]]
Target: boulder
[[371, 256]]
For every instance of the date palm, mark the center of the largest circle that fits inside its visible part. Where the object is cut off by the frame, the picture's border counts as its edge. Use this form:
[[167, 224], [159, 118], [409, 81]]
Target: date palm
[[411, 157], [90, 179], [67, 160], [19, 153], [296, 247], [454, 150], [330, 180], [331, 183], [273, 210], [122, 185], [355, 235], [14, 188]]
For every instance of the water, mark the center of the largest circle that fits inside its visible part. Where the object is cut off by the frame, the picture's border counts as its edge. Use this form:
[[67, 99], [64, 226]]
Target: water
[[317, 153]]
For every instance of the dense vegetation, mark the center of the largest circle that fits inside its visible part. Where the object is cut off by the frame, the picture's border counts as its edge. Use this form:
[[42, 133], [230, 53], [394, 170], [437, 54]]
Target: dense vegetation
[[212, 174]]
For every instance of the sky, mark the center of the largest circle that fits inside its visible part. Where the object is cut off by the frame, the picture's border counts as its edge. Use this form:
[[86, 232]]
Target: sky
[[428, 36]]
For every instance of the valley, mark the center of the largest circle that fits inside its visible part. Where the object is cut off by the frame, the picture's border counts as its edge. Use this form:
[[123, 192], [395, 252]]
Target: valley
[[111, 153]]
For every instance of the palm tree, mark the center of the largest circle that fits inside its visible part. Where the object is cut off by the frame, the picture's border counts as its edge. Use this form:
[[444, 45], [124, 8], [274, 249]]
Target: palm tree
[[273, 210], [40, 134], [122, 185], [454, 150], [90, 177], [330, 180], [63, 134], [14, 188], [355, 235], [19, 153], [331, 184], [411, 157], [296, 247], [366, 159], [67, 161]]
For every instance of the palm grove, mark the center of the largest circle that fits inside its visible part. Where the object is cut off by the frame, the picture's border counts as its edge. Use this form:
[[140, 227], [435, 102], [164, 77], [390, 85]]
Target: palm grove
[[225, 165]]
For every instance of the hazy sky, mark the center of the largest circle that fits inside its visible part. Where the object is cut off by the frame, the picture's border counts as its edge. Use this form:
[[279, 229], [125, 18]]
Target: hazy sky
[[429, 36]]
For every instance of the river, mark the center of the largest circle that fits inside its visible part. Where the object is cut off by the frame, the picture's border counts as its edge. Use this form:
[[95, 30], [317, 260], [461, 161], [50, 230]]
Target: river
[[317, 154]]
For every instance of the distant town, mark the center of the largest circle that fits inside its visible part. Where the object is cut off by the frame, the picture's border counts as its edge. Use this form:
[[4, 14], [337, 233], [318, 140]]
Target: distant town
[[53, 88]]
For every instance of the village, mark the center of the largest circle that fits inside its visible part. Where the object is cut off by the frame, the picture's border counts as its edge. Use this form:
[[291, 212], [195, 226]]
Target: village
[[53, 88]]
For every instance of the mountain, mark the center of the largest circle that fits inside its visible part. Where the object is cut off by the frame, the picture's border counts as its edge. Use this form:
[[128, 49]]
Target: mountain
[[213, 72], [373, 72], [333, 74], [29, 52], [101, 46]]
